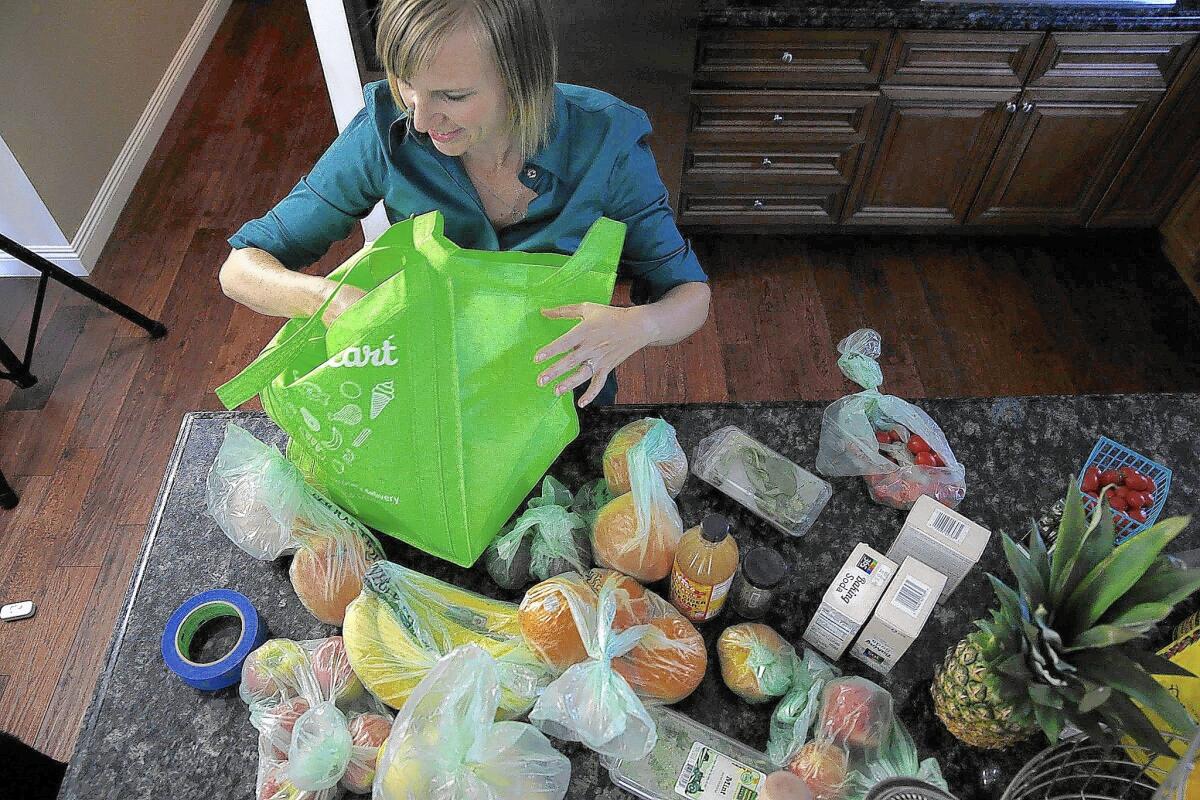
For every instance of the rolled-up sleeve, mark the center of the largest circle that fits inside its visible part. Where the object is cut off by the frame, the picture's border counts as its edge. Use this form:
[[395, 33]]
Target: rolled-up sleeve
[[343, 187], [656, 257]]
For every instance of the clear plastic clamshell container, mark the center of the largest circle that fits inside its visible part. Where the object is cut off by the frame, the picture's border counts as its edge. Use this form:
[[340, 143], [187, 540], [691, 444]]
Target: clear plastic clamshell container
[[784, 494], [693, 761]]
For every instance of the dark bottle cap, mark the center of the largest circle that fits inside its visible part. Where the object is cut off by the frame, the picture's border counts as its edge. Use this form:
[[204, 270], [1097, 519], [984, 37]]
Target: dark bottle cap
[[714, 528], [764, 568]]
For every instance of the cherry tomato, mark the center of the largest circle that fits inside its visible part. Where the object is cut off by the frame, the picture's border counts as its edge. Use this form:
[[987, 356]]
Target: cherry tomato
[[1136, 514], [925, 459], [895, 434], [918, 445], [938, 460], [1136, 481], [1151, 486], [1091, 480], [883, 437], [1110, 476], [1117, 501], [1145, 500]]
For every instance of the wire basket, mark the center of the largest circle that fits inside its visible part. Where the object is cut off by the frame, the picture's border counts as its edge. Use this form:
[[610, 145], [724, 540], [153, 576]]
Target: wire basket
[[1080, 768], [1108, 454]]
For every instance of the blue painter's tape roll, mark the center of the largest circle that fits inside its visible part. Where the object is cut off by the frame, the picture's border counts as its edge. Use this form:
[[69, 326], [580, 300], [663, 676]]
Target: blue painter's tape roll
[[188, 619]]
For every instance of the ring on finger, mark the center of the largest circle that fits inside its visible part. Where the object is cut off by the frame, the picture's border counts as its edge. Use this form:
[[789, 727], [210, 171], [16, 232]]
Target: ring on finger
[[591, 365]]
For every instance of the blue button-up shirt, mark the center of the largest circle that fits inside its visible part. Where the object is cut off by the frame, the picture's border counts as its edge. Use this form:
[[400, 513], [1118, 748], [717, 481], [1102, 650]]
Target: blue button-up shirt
[[596, 163]]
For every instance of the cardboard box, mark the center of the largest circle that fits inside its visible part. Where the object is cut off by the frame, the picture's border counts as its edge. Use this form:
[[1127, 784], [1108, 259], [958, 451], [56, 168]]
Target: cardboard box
[[849, 601], [942, 539], [900, 615]]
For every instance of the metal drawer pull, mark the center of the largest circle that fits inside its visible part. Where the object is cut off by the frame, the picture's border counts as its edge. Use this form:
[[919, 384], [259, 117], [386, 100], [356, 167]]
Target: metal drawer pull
[[1010, 107], [758, 203], [766, 162], [777, 118], [1027, 106], [787, 57]]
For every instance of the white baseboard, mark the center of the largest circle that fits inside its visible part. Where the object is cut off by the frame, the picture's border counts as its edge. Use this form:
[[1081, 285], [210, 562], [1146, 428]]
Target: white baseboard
[[80, 255]]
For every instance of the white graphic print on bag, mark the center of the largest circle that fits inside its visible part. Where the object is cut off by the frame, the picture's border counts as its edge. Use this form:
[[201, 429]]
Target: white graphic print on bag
[[362, 437], [366, 356], [381, 395], [315, 394], [350, 390], [348, 414], [310, 420], [334, 441]]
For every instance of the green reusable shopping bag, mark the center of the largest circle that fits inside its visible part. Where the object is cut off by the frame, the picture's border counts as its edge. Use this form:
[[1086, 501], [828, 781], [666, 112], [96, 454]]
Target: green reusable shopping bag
[[418, 410]]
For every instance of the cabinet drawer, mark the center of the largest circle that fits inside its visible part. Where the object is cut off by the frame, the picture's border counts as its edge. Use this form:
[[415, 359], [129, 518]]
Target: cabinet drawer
[[961, 58], [787, 58], [818, 162], [1112, 60], [757, 117], [805, 205]]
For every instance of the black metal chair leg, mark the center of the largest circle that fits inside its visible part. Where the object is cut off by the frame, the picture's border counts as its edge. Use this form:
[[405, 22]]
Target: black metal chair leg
[[46, 267], [8, 498]]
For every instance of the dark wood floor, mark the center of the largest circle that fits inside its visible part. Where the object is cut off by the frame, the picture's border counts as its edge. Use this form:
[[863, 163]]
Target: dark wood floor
[[87, 446]]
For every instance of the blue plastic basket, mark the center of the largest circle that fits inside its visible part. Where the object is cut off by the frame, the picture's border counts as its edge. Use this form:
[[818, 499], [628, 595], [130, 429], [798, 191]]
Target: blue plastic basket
[[1108, 454]]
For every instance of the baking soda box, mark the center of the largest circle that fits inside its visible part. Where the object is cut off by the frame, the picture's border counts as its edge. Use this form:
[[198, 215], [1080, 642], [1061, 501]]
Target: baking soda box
[[942, 539], [900, 615], [849, 601]]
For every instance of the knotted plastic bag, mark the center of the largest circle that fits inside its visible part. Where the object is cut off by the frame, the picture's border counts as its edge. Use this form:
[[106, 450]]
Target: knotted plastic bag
[[896, 759], [405, 621], [319, 730], [444, 744], [548, 539], [850, 444], [621, 647], [638, 532], [795, 714], [264, 506], [757, 663]]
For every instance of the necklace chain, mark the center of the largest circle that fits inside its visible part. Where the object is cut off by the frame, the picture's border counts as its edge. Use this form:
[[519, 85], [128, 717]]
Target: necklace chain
[[513, 210]]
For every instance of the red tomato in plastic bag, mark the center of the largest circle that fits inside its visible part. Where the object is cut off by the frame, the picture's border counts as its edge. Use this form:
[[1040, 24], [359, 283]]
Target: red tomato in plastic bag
[[918, 445], [926, 459]]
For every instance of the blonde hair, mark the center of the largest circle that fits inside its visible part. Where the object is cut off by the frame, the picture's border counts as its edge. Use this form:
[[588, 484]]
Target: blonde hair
[[410, 32]]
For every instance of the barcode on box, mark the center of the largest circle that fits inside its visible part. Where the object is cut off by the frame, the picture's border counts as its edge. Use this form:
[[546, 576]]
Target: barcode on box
[[948, 526], [911, 595]]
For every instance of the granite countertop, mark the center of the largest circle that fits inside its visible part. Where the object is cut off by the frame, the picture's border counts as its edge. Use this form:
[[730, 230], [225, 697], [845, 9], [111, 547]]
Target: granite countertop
[[147, 735], [1029, 16]]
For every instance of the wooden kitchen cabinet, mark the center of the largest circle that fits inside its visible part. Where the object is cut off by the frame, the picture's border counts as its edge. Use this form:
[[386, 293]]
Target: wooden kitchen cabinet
[[1059, 155], [930, 155]]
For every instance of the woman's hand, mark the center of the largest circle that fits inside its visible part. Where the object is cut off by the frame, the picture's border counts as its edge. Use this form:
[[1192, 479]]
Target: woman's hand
[[603, 339], [346, 297]]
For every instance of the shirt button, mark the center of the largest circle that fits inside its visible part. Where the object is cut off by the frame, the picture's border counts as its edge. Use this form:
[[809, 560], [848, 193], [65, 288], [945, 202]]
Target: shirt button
[[531, 173]]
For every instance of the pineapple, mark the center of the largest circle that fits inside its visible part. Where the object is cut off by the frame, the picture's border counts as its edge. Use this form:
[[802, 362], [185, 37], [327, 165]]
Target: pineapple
[[1062, 647]]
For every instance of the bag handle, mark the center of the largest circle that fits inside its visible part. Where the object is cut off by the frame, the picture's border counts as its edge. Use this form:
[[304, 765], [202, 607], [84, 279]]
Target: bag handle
[[270, 363], [600, 247]]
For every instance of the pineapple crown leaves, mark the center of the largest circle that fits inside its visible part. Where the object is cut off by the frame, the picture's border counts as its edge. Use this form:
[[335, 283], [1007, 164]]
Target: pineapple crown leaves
[[1063, 642]]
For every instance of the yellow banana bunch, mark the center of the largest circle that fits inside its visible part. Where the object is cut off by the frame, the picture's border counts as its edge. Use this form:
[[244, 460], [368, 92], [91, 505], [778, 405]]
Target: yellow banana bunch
[[404, 621]]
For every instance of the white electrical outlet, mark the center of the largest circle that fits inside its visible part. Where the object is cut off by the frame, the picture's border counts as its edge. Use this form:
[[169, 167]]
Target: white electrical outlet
[[15, 611]]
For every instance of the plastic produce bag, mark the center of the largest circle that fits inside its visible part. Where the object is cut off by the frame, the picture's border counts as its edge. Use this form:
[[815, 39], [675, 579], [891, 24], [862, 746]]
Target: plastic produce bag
[[638, 532], [795, 714], [621, 646], [264, 506], [896, 759], [444, 744], [548, 539], [591, 497], [664, 453], [418, 409], [850, 444], [319, 730], [404, 621], [757, 663]]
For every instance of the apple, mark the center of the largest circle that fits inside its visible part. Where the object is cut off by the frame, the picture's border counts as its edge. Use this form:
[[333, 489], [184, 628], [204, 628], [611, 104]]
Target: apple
[[855, 712], [368, 732], [272, 671], [277, 724], [824, 767], [335, 676]]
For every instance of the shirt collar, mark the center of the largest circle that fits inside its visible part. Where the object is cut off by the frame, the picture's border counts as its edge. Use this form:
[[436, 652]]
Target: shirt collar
[[552, 157]]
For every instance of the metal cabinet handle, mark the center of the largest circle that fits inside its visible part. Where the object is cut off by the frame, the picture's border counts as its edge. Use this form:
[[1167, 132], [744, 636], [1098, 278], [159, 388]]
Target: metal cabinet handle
[[787, 57], [758, 203], [1027, 106], [777, 118], [1010, 107], [766, 162]]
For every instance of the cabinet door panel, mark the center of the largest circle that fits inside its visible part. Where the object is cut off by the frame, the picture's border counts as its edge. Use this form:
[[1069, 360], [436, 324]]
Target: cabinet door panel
[[930, 155], [961, 58], [1116, 60], [1060, 155]]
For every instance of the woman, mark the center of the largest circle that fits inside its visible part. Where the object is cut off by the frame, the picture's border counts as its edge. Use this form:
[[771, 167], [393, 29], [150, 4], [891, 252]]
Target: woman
[[470, 122]]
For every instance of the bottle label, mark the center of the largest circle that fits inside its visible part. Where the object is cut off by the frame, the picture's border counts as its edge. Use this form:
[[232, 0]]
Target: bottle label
[[698, 601]]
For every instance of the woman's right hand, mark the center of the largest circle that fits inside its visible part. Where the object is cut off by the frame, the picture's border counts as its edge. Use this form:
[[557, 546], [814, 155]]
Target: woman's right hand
[[346, 297]]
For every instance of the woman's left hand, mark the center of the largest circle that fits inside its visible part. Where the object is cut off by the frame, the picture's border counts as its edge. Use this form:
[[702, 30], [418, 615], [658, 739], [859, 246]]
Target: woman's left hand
[[604, 337]]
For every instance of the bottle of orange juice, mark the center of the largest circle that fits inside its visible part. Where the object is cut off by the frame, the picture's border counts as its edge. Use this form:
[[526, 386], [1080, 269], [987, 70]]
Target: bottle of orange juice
[[705, 563]]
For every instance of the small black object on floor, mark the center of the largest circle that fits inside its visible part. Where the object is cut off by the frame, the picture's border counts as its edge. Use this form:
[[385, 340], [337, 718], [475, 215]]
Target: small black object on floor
[[27, 773]]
